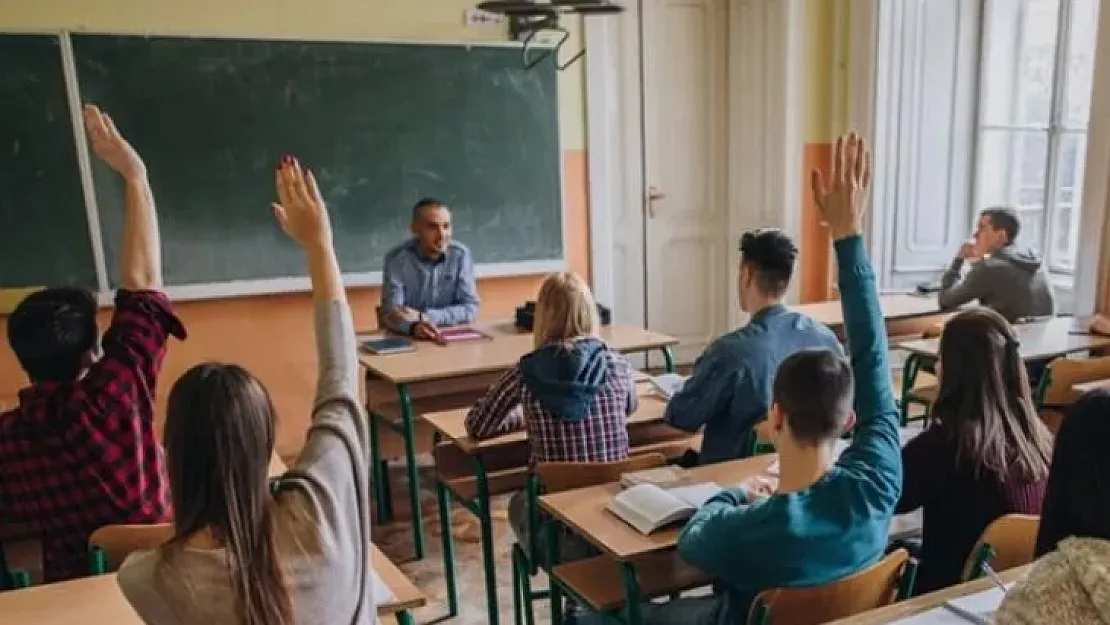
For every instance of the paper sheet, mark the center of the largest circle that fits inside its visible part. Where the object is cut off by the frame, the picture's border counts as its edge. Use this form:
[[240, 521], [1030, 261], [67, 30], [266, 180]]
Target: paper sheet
[[382, 593], [982, 604]]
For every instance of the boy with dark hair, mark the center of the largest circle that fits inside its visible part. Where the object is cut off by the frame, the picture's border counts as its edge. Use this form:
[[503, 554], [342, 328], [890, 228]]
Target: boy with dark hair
[[730, 388], [1012, 281], [80, 450], [826, 518]]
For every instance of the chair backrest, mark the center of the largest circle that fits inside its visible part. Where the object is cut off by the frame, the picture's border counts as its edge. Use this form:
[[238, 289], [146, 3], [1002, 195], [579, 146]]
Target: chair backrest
[[1008, 542], [879, 585], [1062, 374], [556, 477], [110, 545]]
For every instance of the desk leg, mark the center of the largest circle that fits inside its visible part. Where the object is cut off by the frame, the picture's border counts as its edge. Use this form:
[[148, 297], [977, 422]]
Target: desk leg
[[443, 500], [909, 377], [413, 470], [555, 590], [631, 593], [485, 521], [377, 475], [668, 359]]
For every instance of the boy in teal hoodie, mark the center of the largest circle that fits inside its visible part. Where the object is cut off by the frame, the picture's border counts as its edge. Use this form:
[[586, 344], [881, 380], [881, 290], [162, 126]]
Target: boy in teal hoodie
[[827, 518]]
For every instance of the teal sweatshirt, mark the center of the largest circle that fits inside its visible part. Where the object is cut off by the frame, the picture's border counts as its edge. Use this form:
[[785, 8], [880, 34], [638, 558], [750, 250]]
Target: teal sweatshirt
[[837, 526]]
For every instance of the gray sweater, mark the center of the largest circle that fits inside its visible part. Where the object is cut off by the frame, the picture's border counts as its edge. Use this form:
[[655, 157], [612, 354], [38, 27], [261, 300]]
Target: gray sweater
[[323, 520], [1070, 586], [1012, 281]]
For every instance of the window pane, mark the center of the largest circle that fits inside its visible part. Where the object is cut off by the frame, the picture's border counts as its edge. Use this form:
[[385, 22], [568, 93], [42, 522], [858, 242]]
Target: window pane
[[1071, 159], [1019, 62], [1083, 27], [1011, 172]]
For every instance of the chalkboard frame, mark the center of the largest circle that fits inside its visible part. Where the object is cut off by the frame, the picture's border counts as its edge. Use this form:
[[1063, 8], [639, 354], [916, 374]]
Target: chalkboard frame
[[269, 286]]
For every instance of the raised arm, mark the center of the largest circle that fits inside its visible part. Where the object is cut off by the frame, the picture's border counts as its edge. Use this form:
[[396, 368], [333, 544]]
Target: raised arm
[[875, 446]]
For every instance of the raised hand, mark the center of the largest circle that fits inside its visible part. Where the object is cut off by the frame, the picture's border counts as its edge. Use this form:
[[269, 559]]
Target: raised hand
[[110, 146], [843, 204], [300, 209]]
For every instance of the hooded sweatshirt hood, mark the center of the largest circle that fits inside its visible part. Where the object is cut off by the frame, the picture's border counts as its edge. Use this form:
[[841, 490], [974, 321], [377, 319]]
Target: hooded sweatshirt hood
[[566, 377], [1089, 561], [1023, 257]]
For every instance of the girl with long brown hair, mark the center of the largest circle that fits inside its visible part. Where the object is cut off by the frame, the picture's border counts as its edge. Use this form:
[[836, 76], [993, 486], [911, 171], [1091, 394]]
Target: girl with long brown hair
[[243, 553], [986, 453]]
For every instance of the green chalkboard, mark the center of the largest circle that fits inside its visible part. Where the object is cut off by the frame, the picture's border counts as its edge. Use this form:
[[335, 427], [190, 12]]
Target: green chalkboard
[[382, 125], [44, 232]]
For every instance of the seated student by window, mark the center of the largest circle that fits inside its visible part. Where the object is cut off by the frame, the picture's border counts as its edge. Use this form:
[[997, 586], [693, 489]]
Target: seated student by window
[[572, 393], [986, 453], [827, 518], [1070, 581], [240, 552], [428, 281], [730, 388], [80, 450]]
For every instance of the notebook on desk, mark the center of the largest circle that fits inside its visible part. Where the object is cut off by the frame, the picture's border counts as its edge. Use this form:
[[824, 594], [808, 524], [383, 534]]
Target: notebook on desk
[[458, 335], [383, 345], [974, 609]]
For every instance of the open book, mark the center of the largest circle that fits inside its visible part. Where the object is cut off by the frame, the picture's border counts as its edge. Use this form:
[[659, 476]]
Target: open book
[[647, 508], [975, 609], [668, 384]]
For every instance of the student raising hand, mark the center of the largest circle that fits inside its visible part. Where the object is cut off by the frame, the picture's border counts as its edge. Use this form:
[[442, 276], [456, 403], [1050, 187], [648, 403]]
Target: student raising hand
[[110, 146], [842, 205], [300, 208]]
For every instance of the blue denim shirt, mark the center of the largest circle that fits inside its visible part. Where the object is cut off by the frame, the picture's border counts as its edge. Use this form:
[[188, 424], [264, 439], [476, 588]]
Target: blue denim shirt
[[443, 289], [730, 389]]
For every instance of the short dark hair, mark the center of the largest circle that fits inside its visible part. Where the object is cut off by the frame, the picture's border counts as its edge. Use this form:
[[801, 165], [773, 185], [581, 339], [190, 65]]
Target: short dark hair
[[427, 202], [1075, 501], [51, 331], [771, 255], [815, 389], [1004, 219]]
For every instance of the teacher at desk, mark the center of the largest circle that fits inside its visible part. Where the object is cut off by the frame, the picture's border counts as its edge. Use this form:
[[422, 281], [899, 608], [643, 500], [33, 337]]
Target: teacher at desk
[[428, 281]]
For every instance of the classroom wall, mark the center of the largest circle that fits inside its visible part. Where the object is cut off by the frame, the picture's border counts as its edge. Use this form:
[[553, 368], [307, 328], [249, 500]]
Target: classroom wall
[[825, 78], [271, 335]]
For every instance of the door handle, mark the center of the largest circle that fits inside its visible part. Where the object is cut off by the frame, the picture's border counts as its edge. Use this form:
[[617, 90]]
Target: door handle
[[653, 195]]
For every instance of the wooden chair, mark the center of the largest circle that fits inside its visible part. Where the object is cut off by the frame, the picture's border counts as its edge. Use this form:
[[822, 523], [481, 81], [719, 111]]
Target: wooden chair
[[1063, 373], [1008, 542], [110, 545], [881, 584], [554, 477]]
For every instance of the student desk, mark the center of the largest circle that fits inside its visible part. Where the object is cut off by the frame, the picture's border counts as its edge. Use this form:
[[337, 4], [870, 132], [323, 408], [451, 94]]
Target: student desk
[[905, 609], [1086, 387], [584, 512], [420, 371], [472, 481], [897, 308], [98, 600]]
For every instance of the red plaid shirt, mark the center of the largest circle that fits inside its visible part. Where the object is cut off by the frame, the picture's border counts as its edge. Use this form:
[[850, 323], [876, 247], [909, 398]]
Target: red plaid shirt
[[77, 456], [602, 436]]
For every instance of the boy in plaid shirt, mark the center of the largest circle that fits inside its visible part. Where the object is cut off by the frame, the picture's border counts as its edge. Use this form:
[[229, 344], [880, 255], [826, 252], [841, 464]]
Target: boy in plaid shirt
[[79, 452]]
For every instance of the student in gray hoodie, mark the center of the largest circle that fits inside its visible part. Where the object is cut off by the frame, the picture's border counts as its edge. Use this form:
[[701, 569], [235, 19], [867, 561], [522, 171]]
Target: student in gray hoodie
[[1070, 582], [1011, 280]]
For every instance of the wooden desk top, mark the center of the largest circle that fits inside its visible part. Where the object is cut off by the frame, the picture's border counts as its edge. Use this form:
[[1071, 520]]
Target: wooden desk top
[[584, 509], [450, 423], [99, 600], [433, 362], [1040, 340], [924, 603], [895, 306]]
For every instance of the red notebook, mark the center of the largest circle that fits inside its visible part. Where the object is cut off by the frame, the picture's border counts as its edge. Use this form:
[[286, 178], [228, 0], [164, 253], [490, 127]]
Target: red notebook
[[458, 335]]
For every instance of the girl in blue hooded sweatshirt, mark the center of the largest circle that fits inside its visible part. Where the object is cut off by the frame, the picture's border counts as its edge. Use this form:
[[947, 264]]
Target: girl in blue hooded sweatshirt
[[572, 393]]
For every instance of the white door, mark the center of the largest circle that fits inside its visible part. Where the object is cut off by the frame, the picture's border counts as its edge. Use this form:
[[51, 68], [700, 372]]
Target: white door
[[689, 263]]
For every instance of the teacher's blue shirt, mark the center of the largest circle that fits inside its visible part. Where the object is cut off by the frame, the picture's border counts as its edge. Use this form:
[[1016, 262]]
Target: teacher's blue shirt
[[441, 288]]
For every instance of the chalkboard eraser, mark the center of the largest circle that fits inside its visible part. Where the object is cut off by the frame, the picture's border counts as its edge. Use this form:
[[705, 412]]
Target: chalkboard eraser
[[11, 297]]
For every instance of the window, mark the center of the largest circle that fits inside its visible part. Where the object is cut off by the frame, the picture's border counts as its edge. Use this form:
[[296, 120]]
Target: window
[[1037, 60]]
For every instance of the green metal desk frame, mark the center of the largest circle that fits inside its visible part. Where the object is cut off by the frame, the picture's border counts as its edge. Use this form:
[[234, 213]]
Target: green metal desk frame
[[479, 506], [406, 428]]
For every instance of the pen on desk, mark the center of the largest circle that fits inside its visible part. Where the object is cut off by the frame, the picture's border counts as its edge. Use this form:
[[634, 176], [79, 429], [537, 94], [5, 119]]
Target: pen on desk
[[993, 576], [970, 617]]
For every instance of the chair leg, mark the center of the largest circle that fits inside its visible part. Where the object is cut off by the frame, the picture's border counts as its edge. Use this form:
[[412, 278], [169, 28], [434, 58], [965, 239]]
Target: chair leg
[[518, 598], [405, 617]]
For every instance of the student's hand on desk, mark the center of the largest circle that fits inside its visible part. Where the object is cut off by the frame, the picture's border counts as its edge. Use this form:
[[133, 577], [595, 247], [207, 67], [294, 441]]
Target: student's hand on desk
[[758, 487], [1100, 325], [300, 208], [404, 313], [110, 146], [426, 332], [843, 204]]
